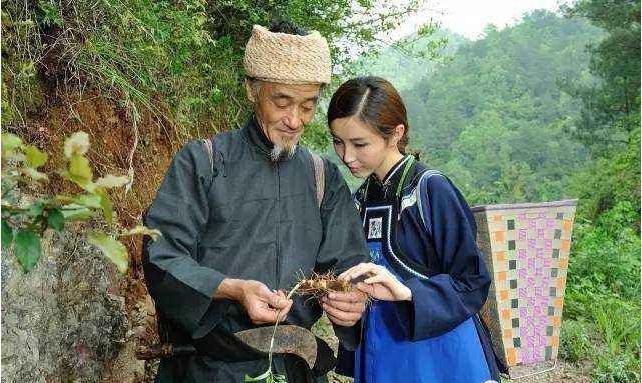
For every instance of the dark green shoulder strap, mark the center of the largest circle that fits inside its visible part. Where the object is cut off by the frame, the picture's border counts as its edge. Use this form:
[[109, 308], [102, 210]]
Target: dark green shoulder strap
[[319, 176], [209, 149]]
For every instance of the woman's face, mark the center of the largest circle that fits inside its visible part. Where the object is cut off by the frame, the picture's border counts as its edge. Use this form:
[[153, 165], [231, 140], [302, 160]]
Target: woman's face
[[360, 147]]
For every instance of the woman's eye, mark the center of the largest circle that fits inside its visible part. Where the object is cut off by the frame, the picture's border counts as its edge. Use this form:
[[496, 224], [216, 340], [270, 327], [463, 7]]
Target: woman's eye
[[336, 141], [360, 145]]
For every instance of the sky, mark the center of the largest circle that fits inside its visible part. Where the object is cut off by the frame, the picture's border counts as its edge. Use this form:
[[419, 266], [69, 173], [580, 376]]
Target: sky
[[470, 17]]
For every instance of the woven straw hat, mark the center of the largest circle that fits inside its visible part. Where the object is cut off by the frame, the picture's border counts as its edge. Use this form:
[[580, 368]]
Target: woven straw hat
[[287, 59]]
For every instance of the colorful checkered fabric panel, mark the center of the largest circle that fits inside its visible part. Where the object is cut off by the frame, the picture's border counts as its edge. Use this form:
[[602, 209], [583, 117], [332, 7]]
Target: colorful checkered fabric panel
[[529, 250]]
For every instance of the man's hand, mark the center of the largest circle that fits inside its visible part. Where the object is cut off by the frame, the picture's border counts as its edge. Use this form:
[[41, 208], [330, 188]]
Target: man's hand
[[262, 305], [344, 309]]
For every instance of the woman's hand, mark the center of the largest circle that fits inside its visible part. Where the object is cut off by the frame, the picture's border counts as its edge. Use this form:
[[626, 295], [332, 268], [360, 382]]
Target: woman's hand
[[379, 283]]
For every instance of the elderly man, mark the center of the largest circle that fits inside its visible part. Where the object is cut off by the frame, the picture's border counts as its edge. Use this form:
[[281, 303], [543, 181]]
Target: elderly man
[[241, 221]]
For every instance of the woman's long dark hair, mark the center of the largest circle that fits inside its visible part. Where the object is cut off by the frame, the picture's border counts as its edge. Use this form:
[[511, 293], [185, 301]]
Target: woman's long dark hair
[[377, 104]]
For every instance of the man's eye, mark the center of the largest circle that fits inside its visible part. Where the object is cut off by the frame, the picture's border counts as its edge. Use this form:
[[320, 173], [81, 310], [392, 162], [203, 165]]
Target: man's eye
[[360, 145], [336, 141], [308, 108], [281, 103]]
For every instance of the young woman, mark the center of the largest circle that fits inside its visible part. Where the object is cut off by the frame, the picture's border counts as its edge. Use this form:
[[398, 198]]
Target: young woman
[[427, 278]]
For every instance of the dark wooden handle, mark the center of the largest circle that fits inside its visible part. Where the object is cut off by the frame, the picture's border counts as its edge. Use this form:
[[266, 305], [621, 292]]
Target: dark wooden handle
[[165, 350]]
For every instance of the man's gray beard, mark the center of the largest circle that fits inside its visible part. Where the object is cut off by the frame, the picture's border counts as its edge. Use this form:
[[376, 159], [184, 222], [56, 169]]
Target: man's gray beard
[[280, 153]]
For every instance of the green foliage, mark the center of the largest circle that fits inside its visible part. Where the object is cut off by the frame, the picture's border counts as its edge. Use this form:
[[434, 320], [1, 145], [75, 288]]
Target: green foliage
[[576, 344], [610, 110], [24, 222], [604, 283], [27, 248], [603, 287], [316, 136], [612, 344], [614, 177], [619, 324], [500, 117], [50, 14], [7, 235], [112, 249], [419, 55], [606, 255], [524, 114], [618, 369], [181, 60], [267, 377], [492, 115]]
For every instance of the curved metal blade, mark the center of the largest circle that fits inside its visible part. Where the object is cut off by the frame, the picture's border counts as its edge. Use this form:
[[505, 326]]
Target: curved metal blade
[[289, 339]]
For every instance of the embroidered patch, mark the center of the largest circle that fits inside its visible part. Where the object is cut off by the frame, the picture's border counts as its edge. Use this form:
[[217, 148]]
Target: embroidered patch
[[374, 228], [374, 256]]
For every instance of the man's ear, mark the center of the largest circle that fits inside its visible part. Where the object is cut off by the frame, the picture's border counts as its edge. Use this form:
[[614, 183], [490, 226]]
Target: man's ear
[[249, 91]]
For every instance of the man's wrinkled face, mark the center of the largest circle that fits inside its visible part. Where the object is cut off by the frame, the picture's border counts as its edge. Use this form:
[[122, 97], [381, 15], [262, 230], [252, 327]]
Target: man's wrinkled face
[[283, 111]]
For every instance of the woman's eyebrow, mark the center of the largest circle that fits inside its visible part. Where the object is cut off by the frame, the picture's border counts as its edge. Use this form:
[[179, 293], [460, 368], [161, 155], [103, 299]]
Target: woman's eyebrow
[[356, 139]]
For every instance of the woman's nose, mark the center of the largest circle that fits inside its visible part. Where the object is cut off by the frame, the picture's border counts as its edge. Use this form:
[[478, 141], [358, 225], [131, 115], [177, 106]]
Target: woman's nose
[[348, 154]]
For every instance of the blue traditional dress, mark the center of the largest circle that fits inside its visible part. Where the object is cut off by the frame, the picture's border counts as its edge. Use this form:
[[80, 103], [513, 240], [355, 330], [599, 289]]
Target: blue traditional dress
[[419, 227]]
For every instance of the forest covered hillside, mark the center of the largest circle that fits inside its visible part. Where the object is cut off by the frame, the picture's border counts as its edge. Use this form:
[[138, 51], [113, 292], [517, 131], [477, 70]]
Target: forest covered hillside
[[545, 109]]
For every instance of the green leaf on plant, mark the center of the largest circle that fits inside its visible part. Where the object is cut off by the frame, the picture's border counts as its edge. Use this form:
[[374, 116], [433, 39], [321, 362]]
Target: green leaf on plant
[[7, 235], [91, 201], [73, 212], [27, 249], [51, 14], [216, 95], [34, 174], [142, 230], [259, 378], [76, 145], [79, 169], [110, 181], [34, 157], [55, 219], [106, 205], [10, 142], [267, 377], [36, 209], [87, 185], [112, 249]]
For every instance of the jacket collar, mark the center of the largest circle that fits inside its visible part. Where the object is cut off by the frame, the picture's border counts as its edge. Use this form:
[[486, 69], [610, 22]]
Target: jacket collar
[[255, 136], [253, 132]]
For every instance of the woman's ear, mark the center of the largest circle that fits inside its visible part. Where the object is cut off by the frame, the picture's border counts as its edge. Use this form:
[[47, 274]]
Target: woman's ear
[[398, 134]]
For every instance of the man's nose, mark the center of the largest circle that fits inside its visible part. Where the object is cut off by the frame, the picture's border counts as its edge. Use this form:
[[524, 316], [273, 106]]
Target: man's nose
[[292, 120]]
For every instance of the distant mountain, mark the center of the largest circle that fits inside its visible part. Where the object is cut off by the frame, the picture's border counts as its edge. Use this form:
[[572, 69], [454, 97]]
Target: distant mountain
[[492, 113], [404, 63]]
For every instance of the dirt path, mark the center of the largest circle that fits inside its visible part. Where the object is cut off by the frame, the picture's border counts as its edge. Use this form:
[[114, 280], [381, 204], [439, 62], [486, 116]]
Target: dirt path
[[564, 372]]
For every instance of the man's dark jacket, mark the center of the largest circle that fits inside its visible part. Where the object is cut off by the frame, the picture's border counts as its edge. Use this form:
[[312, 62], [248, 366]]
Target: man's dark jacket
[[246, 218]]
